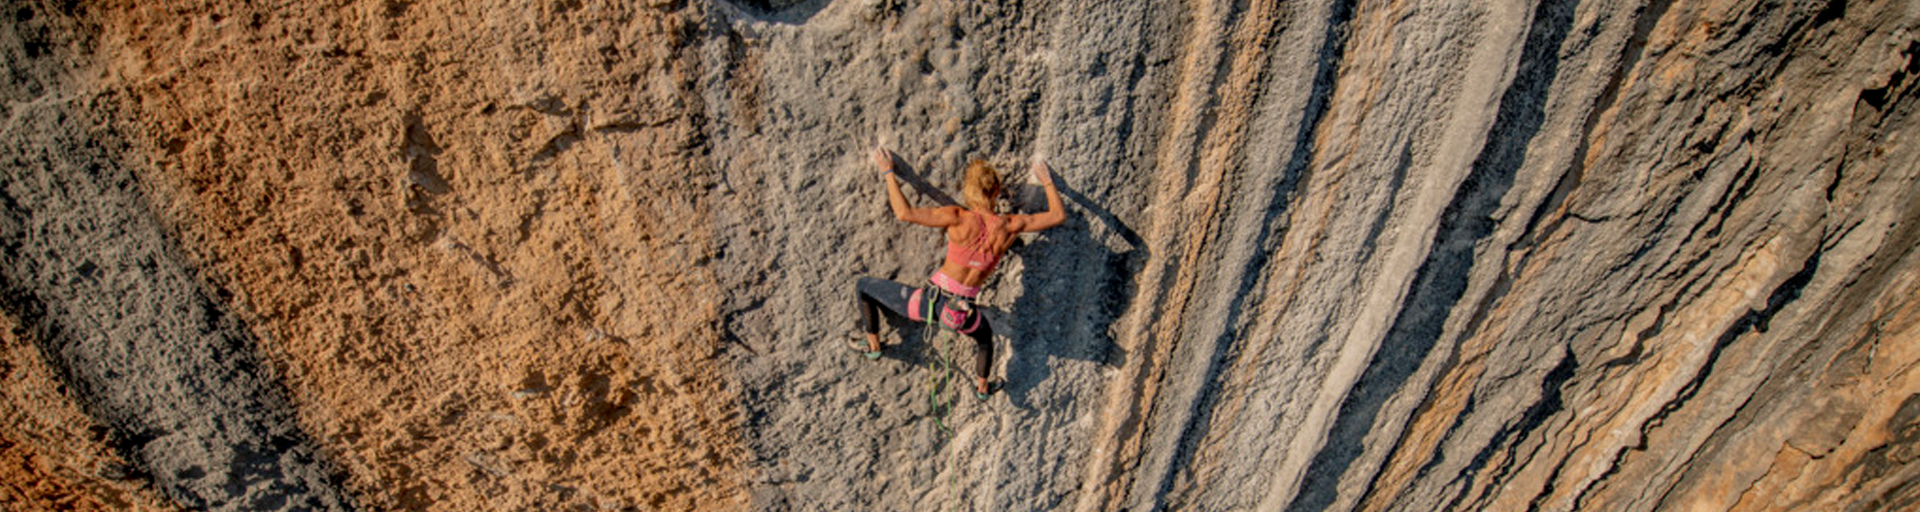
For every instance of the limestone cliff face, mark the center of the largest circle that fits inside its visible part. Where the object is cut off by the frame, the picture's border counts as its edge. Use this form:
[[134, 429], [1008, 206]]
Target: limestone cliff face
[[1320, 255]]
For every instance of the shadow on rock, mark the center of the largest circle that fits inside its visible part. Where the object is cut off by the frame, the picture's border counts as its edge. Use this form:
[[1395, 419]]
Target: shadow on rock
[[1078, 280], [788, 12]]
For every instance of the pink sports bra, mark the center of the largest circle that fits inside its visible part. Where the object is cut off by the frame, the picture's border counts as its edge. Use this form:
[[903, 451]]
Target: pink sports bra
[[976, 254]]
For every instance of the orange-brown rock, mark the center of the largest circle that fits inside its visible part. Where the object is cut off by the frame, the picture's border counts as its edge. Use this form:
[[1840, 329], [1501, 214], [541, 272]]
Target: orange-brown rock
[[472, 243], [52, 456]]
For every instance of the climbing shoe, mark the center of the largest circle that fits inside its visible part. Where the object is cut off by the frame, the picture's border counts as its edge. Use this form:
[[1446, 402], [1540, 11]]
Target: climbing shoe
[[991, 387], [861, 347]]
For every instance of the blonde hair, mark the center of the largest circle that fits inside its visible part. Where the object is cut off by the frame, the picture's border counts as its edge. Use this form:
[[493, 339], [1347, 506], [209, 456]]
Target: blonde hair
[[982, 185]]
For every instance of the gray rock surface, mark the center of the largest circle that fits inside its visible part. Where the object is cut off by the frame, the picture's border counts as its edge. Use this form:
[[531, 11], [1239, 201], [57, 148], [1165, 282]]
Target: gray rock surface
[[1321, 255]]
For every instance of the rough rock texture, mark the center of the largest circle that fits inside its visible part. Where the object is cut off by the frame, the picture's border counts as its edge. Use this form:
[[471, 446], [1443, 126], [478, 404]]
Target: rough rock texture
[[468, 235], [1370, 256], [137, 339], [1320, 255], [52, 457]]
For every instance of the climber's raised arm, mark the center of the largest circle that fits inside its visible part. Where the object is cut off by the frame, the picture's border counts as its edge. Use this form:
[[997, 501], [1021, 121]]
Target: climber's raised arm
[[930, 217], [1055, 214]]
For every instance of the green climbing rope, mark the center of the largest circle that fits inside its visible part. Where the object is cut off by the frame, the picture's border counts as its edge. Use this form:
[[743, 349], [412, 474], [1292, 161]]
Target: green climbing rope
[[940, 350], [941, 378]]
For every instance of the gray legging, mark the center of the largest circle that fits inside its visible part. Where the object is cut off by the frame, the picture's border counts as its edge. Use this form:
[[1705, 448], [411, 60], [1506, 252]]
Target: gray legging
[[902, 300]]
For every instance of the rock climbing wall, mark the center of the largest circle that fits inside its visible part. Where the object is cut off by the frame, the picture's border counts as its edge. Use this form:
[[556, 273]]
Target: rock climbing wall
[[476, 288], [1320, 255]]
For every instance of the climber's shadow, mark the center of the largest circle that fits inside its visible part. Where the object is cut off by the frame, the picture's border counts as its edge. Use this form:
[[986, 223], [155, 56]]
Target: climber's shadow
[[913, 340], [785, 12], [914, 181], [1078, 279]]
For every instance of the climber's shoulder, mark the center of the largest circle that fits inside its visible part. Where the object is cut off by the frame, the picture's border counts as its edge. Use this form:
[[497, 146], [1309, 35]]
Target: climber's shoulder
[[936, 217]]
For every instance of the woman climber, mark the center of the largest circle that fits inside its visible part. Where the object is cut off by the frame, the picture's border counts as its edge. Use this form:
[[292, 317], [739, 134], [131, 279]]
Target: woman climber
[[977, 236]]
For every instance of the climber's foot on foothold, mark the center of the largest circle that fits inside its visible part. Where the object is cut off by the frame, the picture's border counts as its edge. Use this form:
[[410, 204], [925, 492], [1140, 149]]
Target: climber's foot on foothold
[[865, 348], [983, 389]]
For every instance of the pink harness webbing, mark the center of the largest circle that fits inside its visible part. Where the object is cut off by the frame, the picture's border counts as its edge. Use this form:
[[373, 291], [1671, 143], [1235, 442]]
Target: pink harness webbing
[[953, 286]]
